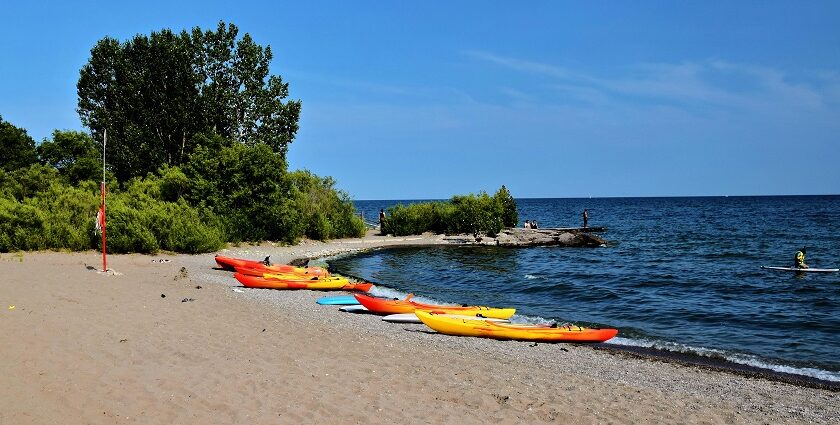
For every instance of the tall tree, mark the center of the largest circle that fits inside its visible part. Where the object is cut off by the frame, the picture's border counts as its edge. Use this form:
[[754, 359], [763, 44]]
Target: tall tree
[[155, 93], [73, 154], [17, 147]]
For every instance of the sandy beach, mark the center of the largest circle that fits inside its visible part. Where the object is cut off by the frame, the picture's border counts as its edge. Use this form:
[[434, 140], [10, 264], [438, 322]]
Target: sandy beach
[[177, 342]]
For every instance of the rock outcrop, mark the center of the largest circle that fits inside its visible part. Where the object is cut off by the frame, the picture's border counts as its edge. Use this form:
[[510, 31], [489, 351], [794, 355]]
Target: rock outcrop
[[520, 237]]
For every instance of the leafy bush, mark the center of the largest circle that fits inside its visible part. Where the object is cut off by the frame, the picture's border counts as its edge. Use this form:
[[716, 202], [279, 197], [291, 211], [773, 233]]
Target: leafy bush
[[327, 212], [248, 188], [62, 217], [507, 207], [244, 186], [68, 216], [417, 218], [227, 192], [475, 214], [21, 226], [140, 221], [58, 217], [27, 182], [129, 229], [173, 183], [462, 214]]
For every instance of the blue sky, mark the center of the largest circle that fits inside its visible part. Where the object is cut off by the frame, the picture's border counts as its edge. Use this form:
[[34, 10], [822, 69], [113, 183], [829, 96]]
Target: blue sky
[[426, 99]]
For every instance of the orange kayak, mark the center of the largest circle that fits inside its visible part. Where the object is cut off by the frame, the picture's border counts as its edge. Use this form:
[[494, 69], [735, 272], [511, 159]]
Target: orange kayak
[[324, 283], [360, 287], [230, 263], [302, 272], [389, 306]]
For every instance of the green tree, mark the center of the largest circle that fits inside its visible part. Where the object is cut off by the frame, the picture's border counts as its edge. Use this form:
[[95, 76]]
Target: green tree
[[240, 100], [155, 93], [247, 187], [507, 207], [73, 154], [18, 148]]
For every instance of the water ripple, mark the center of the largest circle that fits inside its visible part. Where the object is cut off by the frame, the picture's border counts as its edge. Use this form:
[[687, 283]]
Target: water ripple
[[678, 272]]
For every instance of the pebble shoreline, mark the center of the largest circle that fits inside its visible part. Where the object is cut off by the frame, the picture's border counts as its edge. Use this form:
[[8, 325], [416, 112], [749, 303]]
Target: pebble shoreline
[[754, 396]]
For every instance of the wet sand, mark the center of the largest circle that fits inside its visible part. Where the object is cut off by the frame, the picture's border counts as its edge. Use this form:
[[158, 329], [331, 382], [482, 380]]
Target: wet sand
[[180, 342]]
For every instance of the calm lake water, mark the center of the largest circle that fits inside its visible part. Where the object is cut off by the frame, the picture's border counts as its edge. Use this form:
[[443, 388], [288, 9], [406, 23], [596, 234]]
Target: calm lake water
[[678, 274]]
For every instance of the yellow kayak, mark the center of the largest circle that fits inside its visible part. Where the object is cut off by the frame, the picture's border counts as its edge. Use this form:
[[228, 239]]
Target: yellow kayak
[[274, 283], [298, 278], [389, 306], [483, 328]]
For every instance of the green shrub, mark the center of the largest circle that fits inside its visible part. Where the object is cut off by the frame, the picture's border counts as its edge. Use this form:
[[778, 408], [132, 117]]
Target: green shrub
[[469, 214], [507, 207], [226, 192], [28, 182], [244, 186], [475, 214], [256, 199], [140, 221], [179, 227], [173, 183], [69, 217], [327, 212], [128, 230], [417, 218], [59, 217], [21, 226]]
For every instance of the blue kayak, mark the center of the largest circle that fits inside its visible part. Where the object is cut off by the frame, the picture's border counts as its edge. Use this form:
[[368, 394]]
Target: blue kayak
[[338, 300]]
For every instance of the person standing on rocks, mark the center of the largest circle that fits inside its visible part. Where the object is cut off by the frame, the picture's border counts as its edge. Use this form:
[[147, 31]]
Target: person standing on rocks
[[585, 218], [381, 221]]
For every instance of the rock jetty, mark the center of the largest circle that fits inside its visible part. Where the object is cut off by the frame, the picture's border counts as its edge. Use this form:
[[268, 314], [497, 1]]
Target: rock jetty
[[521, 237]]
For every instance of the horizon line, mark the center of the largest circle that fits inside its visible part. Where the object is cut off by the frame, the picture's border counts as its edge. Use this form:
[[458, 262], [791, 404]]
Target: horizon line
[[620, 197]]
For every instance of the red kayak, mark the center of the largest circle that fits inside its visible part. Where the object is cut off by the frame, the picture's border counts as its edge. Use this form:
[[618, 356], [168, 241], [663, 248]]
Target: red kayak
[[230, 263]]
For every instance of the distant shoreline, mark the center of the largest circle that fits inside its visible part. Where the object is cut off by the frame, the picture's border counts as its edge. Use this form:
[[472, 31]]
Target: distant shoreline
[[615, 197]]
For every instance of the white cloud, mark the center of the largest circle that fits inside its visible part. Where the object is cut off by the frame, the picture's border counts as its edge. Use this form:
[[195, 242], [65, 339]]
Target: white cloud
[[522, 65], [687, 84]]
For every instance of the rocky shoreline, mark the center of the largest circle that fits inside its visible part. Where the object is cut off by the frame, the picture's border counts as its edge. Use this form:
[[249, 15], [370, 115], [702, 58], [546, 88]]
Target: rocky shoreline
[[518, 237]]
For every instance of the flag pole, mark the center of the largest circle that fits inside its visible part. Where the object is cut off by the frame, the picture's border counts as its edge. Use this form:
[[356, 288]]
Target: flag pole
[[102, 206]]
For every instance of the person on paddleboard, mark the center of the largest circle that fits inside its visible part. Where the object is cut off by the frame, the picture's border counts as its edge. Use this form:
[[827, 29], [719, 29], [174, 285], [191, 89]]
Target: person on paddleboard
[[799, 259]]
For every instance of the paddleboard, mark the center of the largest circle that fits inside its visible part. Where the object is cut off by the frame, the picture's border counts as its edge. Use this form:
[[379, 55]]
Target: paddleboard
[[338, 300], [354, 309], [412, 318], [796, 269]]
